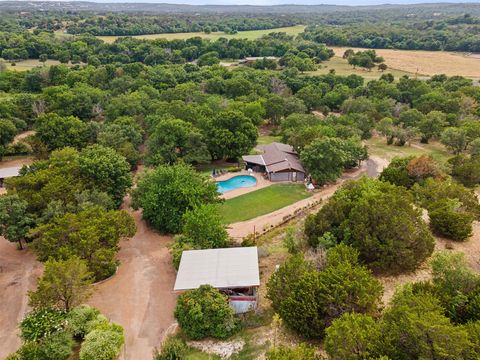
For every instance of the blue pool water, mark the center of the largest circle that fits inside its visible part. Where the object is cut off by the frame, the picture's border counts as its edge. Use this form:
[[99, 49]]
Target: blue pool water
[[236, 182]]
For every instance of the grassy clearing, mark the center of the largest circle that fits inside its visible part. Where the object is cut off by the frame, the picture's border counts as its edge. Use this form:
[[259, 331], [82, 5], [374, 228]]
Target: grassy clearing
[[342, 67], [29, 64], [261, 202], [377, 146], [250, 35], [268, 139], [427, 62]]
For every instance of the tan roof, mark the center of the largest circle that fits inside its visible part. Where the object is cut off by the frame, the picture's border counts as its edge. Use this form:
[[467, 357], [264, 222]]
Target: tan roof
[[277, 157], [220, 268]]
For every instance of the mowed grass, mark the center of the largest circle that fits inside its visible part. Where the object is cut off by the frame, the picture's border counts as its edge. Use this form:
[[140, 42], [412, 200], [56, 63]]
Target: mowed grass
[[342, 67], [250, 35], [268, 139], [377, 146], [261, 202]]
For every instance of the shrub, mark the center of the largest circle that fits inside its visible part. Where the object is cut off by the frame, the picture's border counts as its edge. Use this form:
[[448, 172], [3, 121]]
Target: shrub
[[42, 323], [449, 220], [78, 319], [300, 352], [205, 312], [352, 336], [377, 219], [57, 346], [309, 300], [173, 348], [101, 345], [466, 169], [203, 227]]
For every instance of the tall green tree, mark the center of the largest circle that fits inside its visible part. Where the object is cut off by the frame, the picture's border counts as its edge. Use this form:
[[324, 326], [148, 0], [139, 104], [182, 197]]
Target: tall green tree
[[63, 285], [15, 221], [166, 193]]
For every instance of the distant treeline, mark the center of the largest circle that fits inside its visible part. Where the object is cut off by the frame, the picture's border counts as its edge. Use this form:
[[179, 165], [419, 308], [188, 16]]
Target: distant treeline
[[453, 34]]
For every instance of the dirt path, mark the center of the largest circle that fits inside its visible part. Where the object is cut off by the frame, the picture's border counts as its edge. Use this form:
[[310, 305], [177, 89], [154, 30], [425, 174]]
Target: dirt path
[[18, 273], [140, 296]]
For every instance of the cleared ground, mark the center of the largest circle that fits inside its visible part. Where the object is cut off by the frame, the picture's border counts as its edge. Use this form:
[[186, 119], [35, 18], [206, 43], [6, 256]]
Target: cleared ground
[[262, 202], [342, 67], [251, 34], [426, 62], [29, 64], [377, 146]]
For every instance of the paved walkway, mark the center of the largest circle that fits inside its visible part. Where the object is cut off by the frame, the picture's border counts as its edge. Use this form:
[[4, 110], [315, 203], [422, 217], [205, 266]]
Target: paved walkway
[[261, 183]]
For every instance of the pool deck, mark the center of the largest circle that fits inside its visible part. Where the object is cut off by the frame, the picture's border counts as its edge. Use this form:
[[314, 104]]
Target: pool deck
[[261, 183]]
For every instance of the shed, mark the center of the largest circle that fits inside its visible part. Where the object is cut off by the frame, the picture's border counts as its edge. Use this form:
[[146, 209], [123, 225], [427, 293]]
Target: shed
[[9, 172], [233, 271]]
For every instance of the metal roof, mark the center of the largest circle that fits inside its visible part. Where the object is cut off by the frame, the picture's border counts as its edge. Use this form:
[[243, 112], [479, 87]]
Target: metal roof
[[220, 268], [277, 157], [10, 172]]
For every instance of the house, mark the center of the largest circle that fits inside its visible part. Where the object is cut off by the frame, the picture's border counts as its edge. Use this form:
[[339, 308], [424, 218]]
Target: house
[[251, 59], [9, 172], [233, 271], [280, 162]]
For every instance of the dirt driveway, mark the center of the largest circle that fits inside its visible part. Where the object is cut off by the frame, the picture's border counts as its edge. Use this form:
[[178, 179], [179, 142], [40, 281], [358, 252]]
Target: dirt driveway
[[18, 273], [140, 296]]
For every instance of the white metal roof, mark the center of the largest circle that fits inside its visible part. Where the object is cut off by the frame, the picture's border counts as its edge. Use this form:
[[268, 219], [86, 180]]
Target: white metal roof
[[9, 172], [220, 268]]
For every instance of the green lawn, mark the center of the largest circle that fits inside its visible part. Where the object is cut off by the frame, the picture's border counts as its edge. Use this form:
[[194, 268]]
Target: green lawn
[[262, 202], [268, 139], [378, 146], [250, 35]]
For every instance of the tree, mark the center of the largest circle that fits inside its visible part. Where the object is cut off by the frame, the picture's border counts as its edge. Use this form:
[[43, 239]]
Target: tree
[[377, 219], [8, 130], [173, 140], [410, 170], [326, 158], [14, 219], [230, 135], [63, 285], [101, 344], [414, 327], [57, 132], [455, 139], [105, 170], [386, 128], [447, 218], [309, 300], [465, 169], [352, 336], [382, 67], [92, 234], [167, 192], [207, 59], [205, 312], [432, 125], [203, 227]]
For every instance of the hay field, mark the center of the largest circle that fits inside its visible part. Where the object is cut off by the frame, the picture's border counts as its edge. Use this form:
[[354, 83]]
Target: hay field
[[252, 34], [342, 67], [427, 62]]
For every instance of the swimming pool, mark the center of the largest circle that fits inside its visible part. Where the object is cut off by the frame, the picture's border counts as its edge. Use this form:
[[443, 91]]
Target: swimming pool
[[236, 182]]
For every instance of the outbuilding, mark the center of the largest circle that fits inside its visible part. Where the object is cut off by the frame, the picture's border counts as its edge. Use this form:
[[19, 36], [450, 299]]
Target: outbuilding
[[9, 172], [233, 271]]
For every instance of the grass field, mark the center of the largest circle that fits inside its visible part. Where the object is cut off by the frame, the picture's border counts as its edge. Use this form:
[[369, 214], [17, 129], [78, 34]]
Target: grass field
[[29, 64], [253, 34], [342, 67], [261, 202], [427, 62], [377, 146]]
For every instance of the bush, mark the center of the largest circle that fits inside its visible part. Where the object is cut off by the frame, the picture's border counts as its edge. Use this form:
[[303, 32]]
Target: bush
[[309, 300], [78, 319], [57, 346], [466, 169], [300, 352], [101, 345], [173, 348], [205, 312], [42, 323], [377, 219], [449, 220]]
